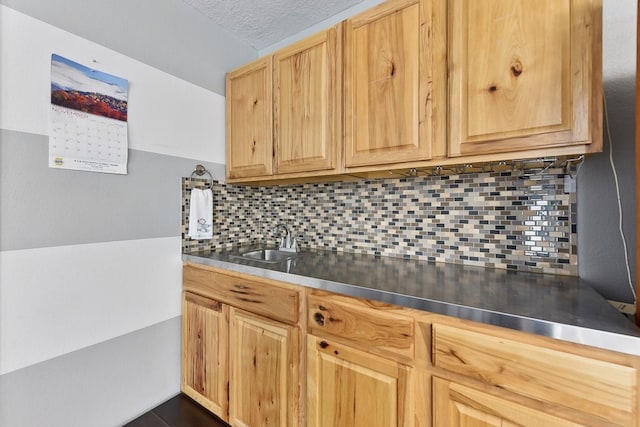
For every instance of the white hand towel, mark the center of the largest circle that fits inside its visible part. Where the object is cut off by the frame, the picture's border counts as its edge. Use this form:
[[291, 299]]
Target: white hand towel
[[201, 214]]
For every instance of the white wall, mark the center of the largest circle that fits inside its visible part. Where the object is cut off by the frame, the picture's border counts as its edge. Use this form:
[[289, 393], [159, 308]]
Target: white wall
[[167, 115]]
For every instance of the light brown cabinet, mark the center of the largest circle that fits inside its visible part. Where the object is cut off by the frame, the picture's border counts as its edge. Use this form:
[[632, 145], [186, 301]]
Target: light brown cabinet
[[284, 113], [456, 405], [263, 381], [241, 348], [540, 385], [395, 83], [307, 113], [412, 84], [204, 352], [249, 121], [277, 354], [524, 75], [351, 388], [358, 355]]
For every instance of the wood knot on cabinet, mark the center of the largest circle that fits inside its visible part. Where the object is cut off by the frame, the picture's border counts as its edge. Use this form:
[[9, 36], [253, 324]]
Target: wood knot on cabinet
[[516, 68], [319, 318]]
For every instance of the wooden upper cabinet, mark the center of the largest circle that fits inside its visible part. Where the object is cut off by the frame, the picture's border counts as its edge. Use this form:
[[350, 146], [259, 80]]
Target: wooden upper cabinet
[[391, 85], [307, 113], [250, 120], [524, 75], [419, 83]]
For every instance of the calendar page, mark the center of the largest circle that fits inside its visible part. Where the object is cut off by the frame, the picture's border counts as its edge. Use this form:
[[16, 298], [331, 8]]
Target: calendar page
[[88, 119]]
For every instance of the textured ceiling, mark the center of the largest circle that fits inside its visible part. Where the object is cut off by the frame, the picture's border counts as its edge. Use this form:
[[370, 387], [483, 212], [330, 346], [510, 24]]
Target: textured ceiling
[[261, 23]]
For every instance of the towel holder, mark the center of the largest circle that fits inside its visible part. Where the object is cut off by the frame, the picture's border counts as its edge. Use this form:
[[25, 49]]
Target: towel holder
[[201, 171]]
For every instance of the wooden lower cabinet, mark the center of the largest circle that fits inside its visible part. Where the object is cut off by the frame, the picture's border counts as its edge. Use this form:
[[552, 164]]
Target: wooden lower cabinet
[[371, 364], [597, 387], [264, 371], [456, 405], [351, 388], [241, 352], [204, 352]]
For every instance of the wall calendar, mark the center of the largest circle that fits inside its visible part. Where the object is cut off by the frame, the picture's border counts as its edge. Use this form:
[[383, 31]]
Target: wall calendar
[[88, 119]]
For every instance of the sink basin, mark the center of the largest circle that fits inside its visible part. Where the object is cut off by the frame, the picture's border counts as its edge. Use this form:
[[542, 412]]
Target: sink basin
[[268, 255]]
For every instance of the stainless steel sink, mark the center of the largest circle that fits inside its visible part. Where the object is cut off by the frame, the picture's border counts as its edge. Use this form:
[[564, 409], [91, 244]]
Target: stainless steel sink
[[268, 255]]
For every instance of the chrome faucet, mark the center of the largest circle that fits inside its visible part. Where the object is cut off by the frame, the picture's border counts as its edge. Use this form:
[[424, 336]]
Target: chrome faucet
[[287, 243]]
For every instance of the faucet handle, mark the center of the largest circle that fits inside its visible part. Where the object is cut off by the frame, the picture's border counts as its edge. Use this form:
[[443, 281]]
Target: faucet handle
[[289, 245]]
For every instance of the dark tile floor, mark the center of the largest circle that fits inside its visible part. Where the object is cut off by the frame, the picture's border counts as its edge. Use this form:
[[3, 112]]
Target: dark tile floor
[[180, 411]]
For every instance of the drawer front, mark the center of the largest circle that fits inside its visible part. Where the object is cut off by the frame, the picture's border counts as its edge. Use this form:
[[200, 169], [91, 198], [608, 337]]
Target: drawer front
[[604, 389], [356, 322], [266, 299]]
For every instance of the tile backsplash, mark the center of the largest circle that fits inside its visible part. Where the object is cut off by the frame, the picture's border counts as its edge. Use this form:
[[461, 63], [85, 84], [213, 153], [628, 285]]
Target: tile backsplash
[[508, 220]]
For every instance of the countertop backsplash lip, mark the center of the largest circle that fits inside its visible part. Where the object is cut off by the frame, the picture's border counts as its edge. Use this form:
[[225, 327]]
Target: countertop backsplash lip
[[496, 220]]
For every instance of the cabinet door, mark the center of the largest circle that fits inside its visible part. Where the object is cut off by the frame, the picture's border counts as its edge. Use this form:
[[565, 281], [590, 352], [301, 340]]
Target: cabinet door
[[456, 405], [604, 389], [391, 85], [250, 120], [524, 74], [205, 326], [307, 112], [351, 388], [264, 372]]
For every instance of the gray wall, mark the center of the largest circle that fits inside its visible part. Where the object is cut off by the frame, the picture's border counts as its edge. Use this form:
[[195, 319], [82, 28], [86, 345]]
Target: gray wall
[[600, 251], [109, 202], [104, 385]]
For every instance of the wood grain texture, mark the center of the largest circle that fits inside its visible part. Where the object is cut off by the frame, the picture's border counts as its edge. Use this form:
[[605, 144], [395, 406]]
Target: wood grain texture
[[307, 103], [426, 83], [373, 328], [264, 366], [279, 302], [350, 388], [604, 389], [249, 120], [523, 75], [204, 352], [456, 405], [387, 94]]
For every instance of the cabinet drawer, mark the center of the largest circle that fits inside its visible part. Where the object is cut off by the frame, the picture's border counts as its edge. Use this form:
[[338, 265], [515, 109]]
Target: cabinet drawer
[[359, 323], [264, 298], [604, 389]]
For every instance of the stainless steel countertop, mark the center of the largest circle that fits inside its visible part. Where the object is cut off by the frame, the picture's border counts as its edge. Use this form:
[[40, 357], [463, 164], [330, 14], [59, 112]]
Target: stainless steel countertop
[[560, 307]]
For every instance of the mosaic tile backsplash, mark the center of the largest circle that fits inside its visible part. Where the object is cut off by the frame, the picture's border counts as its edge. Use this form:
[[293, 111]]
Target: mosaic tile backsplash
[[502, 220]]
